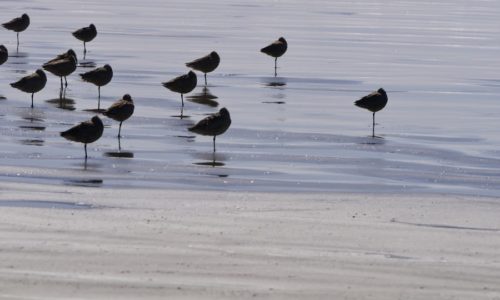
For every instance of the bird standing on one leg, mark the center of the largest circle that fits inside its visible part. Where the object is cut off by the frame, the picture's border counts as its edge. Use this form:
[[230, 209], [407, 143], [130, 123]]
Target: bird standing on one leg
[[99, 76], [32, 83], [86, 132], [276, 49], [182, 84], [121, 110], [373, 102], [205, 64], [18, 25], [213, 125], [85, 34]]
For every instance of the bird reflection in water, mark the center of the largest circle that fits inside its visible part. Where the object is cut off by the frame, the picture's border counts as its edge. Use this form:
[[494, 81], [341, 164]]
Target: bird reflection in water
[[36, 119], [97, 182], [63, 103], [278, 84], [120, 153], [212, 160], [205, 97]]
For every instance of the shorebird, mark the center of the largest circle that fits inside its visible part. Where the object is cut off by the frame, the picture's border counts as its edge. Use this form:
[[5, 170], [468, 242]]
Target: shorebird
[[182, 84], [121, 110], [32, 83], [100, 76], [276, 49], [66, 54], [205, 64], [373, 102], [17, 25], [85, 34], [62, 66], [4, 54], [86, 132], [213, 125]]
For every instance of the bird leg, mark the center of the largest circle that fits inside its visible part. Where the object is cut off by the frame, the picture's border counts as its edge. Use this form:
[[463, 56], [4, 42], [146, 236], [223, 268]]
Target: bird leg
[[373, 126], [98, 98], [84, 50], [182, 99], [18, 42], [205, 79], [32, 99], [275, 66], [85, 147], [120, 130], [214, 143], [61, 85], [65, 81]]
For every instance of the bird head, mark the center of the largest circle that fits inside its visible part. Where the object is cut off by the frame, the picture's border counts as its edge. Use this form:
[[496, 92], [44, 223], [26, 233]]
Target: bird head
[[224, 112], [127, 98], [41, 73], [96, 120]]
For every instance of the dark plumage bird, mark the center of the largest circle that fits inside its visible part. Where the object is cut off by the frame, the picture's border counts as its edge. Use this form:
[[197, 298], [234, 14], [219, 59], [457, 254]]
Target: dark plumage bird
[[182, 84], [17, 25], [4, 54], [32, 83], [121, 110], [213, 125], [85, 34], [100, 76], [276, 49], [66, 54], [86, 132], [62, 66], [205, 64], [373, 102]]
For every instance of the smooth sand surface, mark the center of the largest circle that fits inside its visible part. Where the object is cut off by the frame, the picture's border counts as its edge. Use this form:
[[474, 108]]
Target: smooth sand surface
[[165, 244]]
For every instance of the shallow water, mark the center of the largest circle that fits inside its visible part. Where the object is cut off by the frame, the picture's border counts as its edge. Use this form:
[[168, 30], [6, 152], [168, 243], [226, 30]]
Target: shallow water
[[297, 132]]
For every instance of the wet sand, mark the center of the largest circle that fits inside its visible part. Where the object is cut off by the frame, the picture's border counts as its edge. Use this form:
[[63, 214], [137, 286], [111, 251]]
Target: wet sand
[[133, 243], [299, 202]]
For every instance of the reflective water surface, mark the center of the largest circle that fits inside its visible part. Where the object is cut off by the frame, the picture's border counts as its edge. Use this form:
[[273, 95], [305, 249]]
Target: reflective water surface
[[438, 62]]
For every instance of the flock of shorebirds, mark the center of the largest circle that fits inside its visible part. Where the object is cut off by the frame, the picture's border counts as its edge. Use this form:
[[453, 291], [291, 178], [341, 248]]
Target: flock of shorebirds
[[90, 131]]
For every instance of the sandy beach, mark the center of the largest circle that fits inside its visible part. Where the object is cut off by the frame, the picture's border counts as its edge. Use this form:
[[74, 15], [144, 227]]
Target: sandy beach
[[299, 201], [157, 244]]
